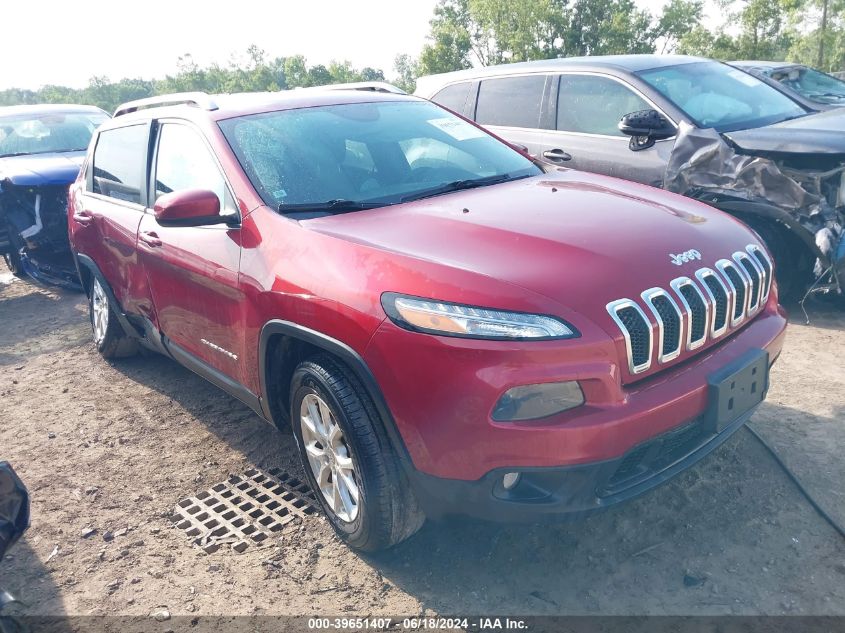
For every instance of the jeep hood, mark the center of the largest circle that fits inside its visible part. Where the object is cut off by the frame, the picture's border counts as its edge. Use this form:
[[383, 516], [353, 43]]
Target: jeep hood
[[818, 133], [575, 237], [41, 169]]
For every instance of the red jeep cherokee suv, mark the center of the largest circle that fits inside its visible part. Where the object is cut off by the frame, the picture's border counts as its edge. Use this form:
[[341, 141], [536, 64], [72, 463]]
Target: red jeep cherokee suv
[[447, 326]]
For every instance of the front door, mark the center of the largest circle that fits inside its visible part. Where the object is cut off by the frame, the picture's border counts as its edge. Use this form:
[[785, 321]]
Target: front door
[[589, 107], [193, 271]]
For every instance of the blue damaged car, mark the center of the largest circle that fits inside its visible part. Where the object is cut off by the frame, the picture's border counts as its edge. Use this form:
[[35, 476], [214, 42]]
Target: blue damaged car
[[41, 150]]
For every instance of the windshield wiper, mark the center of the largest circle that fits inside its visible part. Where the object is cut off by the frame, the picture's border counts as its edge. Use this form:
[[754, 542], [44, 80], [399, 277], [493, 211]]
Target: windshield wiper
[[12, 155], [339, 205], [459, 185]]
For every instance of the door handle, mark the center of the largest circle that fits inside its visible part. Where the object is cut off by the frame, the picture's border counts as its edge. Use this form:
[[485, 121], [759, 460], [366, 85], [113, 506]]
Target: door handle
[[149, 238], [83, 217], [557, 155]]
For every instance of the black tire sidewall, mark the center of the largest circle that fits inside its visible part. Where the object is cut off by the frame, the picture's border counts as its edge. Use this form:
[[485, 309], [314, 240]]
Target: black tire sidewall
[[307, 381]]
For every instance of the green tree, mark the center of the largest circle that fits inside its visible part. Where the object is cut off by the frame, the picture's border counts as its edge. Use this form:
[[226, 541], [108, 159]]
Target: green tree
[[450, 42], [679, 18], [407, 69]]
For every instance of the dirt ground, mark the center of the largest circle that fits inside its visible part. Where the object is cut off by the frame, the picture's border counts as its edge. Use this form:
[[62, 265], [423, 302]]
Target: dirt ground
[[113, 447]]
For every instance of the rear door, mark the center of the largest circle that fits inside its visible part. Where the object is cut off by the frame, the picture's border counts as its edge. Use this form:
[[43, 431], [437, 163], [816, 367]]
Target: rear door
[[516, 109], [587, 110], [193, 271], [106, 214]]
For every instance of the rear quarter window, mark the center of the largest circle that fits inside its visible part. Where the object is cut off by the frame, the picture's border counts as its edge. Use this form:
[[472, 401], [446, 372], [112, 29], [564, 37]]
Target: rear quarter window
[[119, 163], [511, 101], [453, 97]]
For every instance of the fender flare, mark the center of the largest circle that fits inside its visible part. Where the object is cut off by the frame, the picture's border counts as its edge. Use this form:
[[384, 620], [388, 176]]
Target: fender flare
[[350, 358], [83, 260]]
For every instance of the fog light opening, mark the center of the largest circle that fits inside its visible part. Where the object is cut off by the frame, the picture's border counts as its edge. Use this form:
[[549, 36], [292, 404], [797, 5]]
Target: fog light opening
[[510, 480]]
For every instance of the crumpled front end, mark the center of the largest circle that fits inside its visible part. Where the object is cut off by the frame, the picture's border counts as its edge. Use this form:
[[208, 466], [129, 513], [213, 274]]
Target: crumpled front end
[[33, 232], [803, 191]]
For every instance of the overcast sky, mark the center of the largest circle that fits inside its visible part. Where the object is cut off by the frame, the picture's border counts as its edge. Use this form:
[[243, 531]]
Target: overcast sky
[[66, 43]]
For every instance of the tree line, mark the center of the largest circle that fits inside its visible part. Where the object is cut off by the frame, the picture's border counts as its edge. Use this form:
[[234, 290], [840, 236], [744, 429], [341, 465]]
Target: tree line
[[465, 33]]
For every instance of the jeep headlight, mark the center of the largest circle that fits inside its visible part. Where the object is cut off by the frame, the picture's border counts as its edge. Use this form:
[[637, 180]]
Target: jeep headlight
[[452, 319]]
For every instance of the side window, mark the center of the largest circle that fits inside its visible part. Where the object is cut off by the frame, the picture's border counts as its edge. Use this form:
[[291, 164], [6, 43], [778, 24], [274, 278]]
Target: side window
[[119, 163], [511, 101], [453, 97], [594, 105], [184, 162]]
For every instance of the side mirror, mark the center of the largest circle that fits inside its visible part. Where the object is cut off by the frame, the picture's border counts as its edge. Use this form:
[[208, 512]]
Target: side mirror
[[190, 207], [14, 508], [645, 127], [522, 149]]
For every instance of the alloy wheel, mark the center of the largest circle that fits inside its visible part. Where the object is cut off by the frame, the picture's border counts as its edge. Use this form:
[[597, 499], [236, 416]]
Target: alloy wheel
[[329, 457], [99, 312]]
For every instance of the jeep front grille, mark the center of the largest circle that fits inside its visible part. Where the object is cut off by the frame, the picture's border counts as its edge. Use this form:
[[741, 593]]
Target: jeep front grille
[[693, 310]]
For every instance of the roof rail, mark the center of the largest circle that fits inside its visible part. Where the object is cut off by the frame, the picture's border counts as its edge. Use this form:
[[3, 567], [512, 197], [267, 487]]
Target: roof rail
[[196, 99], [372, 86]]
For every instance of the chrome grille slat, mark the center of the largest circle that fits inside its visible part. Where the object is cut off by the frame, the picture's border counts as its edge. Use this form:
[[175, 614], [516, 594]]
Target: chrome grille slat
[[720, 298], [698, 309], [638, 361], [762, 259], [754, 274], [740, 287], [669, 318]]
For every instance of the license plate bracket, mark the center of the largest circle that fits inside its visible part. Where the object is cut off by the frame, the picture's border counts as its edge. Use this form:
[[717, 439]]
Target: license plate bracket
[[737, 388]]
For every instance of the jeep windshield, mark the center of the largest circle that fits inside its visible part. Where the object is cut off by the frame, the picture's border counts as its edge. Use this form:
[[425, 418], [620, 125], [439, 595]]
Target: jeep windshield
[[47, 133], [715, 95], [350, 157]]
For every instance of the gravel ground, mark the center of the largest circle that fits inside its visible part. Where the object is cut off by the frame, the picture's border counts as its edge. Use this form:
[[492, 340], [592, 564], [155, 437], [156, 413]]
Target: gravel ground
[[108, 449]]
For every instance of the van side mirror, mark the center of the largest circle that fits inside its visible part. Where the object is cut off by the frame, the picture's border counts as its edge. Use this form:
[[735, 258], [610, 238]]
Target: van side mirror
[[645, 127], [189, 207]]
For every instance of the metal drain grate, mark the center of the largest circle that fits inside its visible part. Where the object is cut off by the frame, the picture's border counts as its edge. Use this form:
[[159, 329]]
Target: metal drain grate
[[245, 510]]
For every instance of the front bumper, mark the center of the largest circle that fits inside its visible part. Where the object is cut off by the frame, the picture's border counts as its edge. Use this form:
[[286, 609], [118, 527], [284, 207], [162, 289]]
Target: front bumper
[[441, 403], [574, 491], [57, 270]]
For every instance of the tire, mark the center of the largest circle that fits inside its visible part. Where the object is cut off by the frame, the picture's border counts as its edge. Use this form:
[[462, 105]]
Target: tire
[[109, 338], [13, 257], [793, 267], [331, 409], [13, 263]]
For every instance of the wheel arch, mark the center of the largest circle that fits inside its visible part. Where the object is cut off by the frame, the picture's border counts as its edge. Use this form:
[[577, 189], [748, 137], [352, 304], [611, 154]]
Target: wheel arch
[[283, 345], [748, 212], [88, 271]]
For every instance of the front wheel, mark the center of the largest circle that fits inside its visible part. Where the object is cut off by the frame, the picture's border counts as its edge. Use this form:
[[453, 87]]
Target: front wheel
[[347, 458], [109, 337], [793, 264], [13, 257]]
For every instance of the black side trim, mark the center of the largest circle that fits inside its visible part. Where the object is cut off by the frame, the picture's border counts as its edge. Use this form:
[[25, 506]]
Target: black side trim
[[84, 260], [214, 376], [346, 354]]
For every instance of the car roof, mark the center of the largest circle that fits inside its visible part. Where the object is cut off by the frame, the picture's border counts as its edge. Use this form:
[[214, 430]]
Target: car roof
[[48, 108], [628, 63], [226, 106]]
